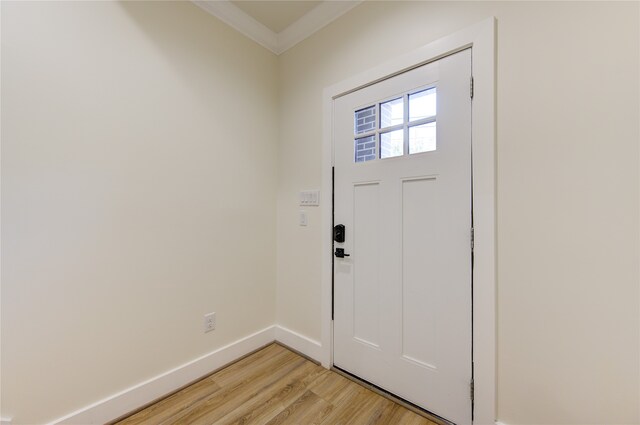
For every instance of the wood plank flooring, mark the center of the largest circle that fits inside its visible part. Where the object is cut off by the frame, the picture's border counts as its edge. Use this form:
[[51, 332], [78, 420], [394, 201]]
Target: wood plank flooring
[[275, 386]]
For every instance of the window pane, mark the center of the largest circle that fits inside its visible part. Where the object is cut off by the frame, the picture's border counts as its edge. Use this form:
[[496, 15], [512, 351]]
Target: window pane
[[392, 144], [365, 149], [391, 112], [365, 120], [422, 138], [422, 104]]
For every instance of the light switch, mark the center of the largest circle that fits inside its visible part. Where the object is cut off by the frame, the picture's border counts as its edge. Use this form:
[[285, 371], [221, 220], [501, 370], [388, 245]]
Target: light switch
[[310, 198], [303, 218]]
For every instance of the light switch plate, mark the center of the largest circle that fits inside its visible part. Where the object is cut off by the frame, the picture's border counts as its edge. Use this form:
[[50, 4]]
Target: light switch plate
[[310, 198], [303, 218]]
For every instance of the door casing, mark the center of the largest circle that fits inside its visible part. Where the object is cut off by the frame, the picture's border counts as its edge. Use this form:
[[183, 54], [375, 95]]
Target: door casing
[[481, 39]]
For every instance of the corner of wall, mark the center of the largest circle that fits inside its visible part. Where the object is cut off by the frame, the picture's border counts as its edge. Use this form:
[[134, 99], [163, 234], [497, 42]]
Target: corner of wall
[[307, 346]]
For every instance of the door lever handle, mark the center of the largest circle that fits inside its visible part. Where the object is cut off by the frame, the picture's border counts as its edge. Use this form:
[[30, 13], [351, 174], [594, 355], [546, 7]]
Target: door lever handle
[[340, 253]]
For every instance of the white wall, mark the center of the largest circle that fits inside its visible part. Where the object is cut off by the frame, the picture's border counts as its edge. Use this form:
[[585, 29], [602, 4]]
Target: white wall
[[138, 193], [568, 191]]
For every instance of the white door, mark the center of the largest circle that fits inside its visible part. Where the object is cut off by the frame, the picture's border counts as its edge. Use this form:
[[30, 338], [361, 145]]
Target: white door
[[402, 296]]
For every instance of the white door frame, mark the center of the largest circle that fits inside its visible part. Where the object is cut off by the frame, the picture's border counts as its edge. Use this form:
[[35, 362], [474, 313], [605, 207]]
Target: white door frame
[[481, 38]]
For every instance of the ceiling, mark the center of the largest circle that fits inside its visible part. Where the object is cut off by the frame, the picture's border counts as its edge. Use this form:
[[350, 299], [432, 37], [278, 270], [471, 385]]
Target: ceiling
[[276, 15], [276, 24]]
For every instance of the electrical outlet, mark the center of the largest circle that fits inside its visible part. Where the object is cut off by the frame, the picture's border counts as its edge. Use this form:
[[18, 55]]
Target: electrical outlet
[[209, 322]]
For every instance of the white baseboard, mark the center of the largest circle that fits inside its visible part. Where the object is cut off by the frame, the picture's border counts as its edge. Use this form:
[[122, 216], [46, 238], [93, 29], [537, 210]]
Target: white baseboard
[[4, 421], [137, 396], [500, 423], [307, 346]]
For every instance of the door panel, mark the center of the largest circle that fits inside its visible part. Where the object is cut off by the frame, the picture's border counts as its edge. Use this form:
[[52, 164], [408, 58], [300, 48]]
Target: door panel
[[366, 282], [419, 224], [402, 299]]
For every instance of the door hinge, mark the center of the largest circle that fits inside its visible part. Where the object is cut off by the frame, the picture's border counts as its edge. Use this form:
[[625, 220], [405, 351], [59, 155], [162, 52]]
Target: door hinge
[[471, 87], [471, 390], [472, 238]]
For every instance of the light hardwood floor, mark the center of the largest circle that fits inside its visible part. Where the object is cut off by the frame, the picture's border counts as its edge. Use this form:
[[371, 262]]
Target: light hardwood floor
[[275, 386]]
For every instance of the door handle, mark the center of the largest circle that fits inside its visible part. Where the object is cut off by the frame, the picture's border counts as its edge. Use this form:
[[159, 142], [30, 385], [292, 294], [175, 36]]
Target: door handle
[[340, 253]]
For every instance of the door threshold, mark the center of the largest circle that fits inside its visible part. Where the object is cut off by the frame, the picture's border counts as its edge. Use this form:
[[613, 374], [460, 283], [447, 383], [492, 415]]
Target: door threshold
[[386, 394]]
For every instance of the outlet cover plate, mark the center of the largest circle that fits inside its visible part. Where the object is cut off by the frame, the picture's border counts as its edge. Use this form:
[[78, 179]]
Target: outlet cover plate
[[209, 322]]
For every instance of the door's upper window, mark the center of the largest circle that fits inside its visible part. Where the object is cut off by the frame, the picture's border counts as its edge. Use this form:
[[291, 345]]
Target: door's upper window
[[403, 125]]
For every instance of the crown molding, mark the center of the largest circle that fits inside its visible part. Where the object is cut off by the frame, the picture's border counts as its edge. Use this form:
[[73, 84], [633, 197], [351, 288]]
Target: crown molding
[[316, 19], [240, 21]]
